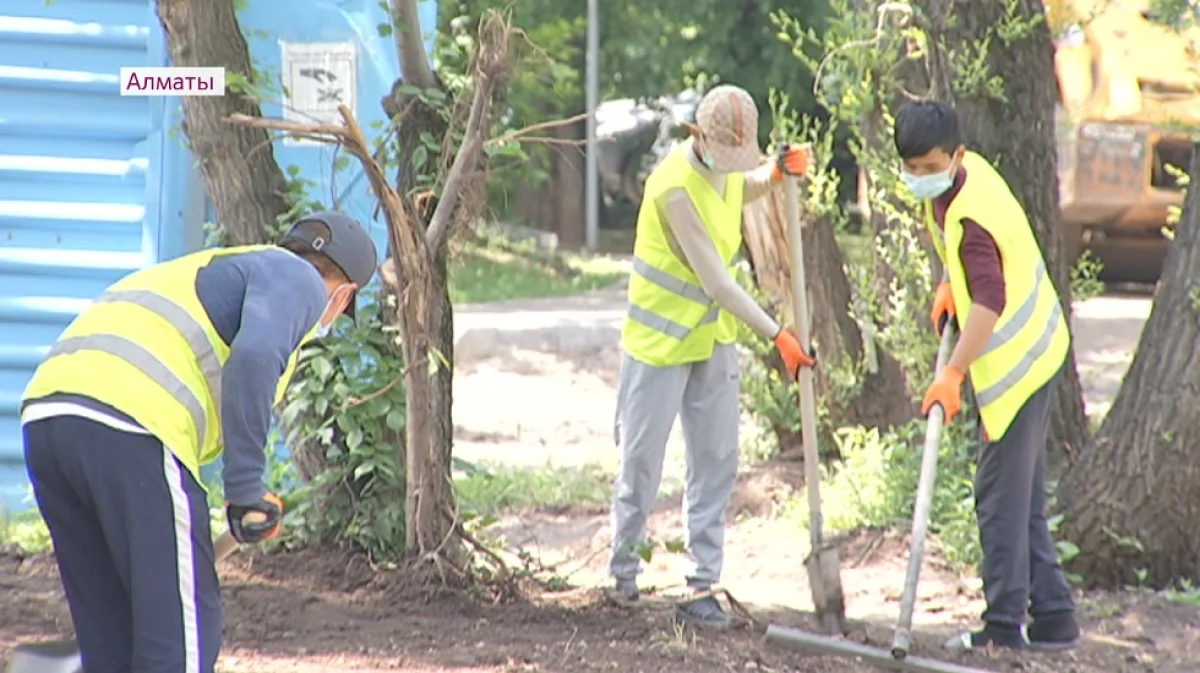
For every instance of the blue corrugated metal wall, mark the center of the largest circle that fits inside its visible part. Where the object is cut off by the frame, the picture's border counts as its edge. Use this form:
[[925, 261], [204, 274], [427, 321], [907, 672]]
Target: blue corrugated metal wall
[[84, 198]]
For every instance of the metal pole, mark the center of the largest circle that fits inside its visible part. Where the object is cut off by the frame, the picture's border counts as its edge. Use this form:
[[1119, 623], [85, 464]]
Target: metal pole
[[902, 639], [592, 195]]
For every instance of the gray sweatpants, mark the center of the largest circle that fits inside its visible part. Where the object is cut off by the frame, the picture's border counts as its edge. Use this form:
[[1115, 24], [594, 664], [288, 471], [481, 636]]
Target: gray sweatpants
[[1020, 562], [705, 395]]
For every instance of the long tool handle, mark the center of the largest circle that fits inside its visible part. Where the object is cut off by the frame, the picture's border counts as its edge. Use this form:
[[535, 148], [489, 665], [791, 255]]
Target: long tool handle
[[902, 640], [808, 401]]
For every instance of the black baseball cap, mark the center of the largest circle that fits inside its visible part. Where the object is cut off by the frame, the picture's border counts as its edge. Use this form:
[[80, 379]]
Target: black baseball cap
[[348, 244]]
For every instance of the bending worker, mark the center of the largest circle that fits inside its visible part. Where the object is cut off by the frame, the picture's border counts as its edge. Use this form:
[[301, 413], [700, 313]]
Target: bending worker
[[1013, 342], [167, 368], [678, 338]]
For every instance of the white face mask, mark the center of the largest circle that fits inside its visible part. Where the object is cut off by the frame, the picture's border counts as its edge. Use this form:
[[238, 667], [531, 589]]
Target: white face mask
[[930, 186], [323, 329]]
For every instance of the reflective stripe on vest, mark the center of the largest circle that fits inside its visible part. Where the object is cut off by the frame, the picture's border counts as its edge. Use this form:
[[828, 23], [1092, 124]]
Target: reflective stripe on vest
[[1020, 318], [137, 355], [677, 287], [1031, 338]]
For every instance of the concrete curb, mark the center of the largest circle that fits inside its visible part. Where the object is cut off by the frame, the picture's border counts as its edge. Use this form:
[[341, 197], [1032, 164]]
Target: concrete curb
[[559, 325]]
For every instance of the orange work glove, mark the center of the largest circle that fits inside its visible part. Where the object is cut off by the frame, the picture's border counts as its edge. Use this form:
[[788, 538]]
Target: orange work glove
[[792, 160], [255, 522], [943, 307], [793, 353], [945, 390]]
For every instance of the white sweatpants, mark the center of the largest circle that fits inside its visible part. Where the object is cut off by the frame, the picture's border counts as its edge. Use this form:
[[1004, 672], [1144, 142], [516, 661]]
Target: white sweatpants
[[705, 395]]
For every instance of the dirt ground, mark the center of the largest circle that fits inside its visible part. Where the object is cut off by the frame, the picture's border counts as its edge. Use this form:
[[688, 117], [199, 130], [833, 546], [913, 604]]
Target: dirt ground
[[303, 612]]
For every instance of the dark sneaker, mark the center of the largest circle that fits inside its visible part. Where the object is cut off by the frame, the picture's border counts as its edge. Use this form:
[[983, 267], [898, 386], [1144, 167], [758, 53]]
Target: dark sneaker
[[992, 635], [626, 590], [704, 613], [1057, 631]]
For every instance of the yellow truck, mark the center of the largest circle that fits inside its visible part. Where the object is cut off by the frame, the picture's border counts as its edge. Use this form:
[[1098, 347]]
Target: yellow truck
[[1129, 89]]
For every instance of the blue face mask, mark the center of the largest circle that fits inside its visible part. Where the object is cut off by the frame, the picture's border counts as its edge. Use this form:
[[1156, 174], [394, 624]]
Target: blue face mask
[[929, 186]]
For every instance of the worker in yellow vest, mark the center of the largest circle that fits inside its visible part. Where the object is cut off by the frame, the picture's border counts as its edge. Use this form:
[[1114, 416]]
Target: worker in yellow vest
[[678, 338], [1013, 343], [168, 368]]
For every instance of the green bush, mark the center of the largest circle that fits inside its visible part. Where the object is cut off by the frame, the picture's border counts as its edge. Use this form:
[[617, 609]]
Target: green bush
[[875, 485], [25, 530], [345, 412]]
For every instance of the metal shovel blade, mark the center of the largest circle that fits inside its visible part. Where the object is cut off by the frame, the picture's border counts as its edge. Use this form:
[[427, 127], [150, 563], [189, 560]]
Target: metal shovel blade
[[825, 580], [55, 656]]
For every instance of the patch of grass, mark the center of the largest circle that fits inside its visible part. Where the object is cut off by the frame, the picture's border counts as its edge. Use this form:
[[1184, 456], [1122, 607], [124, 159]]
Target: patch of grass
[[493, 489], [490, 267], [25, 530]]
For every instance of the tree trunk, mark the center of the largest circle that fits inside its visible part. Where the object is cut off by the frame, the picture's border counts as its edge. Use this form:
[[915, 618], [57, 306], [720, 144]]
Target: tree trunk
[[567, 185], [429, 379], [1017, 133], [428, 344], [881, 398], [1132, 500], [237, 163]]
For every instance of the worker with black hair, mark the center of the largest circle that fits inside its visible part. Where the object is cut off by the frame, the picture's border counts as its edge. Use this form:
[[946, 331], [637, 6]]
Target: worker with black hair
[[1013, 342]]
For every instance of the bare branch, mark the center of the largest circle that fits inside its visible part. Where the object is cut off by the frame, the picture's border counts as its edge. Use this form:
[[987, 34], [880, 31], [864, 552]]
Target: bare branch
[[414, 62], [547, 140], [514, 135], [333, 132], [490, 61]]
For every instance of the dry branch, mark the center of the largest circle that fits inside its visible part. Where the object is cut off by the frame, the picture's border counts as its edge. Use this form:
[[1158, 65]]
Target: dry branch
[[490, 63]]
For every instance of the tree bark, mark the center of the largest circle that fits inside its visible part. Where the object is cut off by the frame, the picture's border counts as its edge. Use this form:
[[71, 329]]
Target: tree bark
[[238, 165], [429, 438], [1132, 500], [1017, 133], [568, 185]]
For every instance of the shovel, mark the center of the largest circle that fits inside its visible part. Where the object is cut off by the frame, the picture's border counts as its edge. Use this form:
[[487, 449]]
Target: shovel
[[62, 656], [824, 563], [902, 639]]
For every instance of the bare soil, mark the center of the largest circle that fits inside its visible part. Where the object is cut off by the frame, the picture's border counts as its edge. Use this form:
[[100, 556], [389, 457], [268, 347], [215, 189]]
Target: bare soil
[[305, 611]]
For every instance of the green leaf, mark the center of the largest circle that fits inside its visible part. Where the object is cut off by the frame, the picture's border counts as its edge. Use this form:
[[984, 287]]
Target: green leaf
[[676, 546], [354, 439], [396, 419], [1067, 550], [419, 155], [322, 369]]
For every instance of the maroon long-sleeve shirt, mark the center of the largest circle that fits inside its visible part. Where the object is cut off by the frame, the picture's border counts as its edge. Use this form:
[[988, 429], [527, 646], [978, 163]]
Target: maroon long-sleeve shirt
[[980, 255]]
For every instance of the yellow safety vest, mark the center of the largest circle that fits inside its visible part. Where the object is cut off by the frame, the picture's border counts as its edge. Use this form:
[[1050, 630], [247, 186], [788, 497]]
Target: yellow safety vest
[[1030, 340], [670, 319], [147, 348]]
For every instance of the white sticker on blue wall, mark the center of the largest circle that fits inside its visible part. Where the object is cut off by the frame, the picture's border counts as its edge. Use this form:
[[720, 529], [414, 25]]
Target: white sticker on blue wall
[[318, 77]]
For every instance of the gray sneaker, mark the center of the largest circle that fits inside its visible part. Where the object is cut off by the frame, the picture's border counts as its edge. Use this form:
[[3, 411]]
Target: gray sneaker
[[704, 613], [626, 590]]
